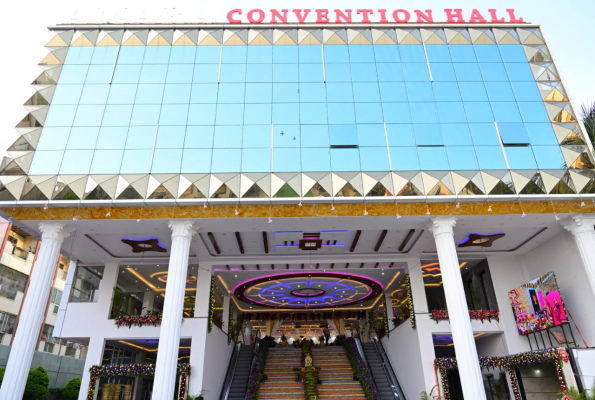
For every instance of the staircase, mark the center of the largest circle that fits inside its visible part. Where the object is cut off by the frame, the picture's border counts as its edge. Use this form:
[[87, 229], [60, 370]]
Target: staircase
[[336, 375], [280, 383], [382, 384], [239, 384]]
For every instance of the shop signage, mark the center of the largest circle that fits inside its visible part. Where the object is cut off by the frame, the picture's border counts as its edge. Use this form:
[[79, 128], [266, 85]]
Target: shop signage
[[369, 16]]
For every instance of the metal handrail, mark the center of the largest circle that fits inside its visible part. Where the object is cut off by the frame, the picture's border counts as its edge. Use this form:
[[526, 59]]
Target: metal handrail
[[231, 369], [255, 353], [388, 370], [362, 354]]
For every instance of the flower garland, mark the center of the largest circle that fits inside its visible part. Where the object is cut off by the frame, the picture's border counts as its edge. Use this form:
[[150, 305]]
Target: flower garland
[[229, 325], [301, 316], [556, 355], [182, 391], [258, 369], [480, 315], [514, 383], [386, 321], [115, 370], [211, 303], [407, 282], [360, 370], [310, 374], [138, 320]]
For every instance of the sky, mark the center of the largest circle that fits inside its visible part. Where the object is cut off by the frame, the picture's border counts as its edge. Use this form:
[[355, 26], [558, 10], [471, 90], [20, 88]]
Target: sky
[[567, 26]]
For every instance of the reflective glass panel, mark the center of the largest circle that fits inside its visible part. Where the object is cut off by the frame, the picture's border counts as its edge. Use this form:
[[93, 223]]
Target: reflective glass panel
[[400, 135], [314, 136], [345, 160], [433, 158], [107, 162], [166, 161], [404, 158], [197, 161], [374, 159], [462, 158], [520, 157]]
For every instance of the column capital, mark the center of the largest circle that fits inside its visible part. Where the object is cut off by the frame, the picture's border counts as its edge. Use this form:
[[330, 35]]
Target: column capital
[[442, 226], [578, 224], [183, 229], [54, 231]]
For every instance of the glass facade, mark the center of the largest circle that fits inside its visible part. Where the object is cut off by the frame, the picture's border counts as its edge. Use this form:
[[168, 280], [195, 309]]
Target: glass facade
[[226, 109], [237, 104]]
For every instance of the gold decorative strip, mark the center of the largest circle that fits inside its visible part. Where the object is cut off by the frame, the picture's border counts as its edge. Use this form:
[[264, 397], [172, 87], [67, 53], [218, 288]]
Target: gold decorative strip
[[293, 211]]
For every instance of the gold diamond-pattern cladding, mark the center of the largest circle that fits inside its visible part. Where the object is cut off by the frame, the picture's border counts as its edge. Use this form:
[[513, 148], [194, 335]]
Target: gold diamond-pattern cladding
[[579, 178]]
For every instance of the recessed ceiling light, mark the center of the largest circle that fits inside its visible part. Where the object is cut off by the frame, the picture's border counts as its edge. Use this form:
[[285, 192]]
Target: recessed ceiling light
[[236, 276]]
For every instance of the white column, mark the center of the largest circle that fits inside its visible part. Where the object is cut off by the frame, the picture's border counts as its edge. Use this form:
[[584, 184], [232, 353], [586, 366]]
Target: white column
[[148, 301], [226, 305], [173, 308], [460, 323], [582, 230], [93, 357], [32, 313]]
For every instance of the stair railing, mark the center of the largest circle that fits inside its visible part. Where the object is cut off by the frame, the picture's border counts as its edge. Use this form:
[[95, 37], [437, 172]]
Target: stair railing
[[231, 370], [388, 370], [360, 350], [255, 352]]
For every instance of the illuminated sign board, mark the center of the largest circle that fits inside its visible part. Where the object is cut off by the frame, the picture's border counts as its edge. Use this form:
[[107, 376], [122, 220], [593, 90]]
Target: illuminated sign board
[[369, 16]]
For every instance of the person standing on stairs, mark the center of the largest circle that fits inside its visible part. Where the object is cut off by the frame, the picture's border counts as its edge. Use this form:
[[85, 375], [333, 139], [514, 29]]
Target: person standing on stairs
[[327, 335]]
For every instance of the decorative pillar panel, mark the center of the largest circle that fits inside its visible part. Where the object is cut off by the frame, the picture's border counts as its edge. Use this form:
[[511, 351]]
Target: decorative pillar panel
[[32, 313], [583, 232], [173, 308], [458, 312], [148, 301], [65, 297], [203, 291], [418, 290], [226, 305]]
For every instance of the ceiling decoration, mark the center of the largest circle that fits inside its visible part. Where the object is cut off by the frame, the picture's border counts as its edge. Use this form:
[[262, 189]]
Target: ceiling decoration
[[307, 290], [145, 245], [481, 239]]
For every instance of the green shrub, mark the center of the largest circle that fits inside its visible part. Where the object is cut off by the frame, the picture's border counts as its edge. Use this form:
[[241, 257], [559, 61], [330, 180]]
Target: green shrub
[[71, 391], [2, 374], [37, 384]]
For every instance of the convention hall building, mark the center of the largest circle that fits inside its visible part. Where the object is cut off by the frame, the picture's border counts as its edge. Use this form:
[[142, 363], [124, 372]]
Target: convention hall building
[[398, 205]]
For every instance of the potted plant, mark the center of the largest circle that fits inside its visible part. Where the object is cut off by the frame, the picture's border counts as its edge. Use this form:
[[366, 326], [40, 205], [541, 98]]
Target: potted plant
[[199, 396], [574, 394], [430, 396]]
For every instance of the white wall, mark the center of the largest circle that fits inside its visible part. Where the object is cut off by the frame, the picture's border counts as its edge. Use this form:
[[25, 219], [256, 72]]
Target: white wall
[[491, 345], [585, 360], [216, 360], [507, 273], [561, 256], [404, 353]]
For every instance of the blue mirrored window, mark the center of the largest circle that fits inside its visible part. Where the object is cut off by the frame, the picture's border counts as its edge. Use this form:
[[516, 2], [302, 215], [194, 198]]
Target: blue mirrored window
[[520, 157], [291, 108], [104, 55]]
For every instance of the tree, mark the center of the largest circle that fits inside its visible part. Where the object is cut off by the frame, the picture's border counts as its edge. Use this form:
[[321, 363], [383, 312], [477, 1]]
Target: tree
[[588, 116], [71, 391], [37, 384]]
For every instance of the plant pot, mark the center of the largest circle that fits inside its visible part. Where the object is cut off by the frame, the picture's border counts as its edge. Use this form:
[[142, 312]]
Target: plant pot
[[200, 398]]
